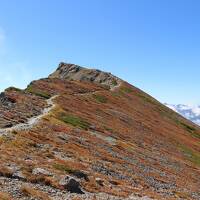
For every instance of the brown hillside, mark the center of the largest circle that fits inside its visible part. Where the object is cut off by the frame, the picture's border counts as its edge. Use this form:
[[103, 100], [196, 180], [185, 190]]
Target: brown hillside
[[99, 138]]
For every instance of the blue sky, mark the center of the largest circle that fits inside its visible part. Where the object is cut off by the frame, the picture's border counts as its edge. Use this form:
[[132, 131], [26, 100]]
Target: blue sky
[[153, 44]]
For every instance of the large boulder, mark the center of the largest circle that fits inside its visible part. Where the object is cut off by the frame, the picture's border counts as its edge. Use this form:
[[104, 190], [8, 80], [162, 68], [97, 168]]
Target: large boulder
[[71, 184]]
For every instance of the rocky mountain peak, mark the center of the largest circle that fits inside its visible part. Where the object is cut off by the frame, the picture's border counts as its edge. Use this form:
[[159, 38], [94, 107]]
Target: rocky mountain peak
[[74, 72]]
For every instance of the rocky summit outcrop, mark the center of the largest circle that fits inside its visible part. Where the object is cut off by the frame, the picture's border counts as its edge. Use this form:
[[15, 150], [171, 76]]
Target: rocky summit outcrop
[[74, 72], [86, 134]]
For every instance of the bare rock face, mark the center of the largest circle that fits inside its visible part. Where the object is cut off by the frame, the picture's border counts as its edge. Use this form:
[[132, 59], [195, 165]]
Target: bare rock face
[[75, 72], [5, 99]]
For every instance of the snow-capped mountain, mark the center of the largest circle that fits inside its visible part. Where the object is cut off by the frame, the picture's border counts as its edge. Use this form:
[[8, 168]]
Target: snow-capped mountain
[[190, 112]]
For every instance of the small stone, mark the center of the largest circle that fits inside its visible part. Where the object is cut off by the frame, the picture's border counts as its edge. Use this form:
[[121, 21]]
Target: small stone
[[19, 175], [100, 181]]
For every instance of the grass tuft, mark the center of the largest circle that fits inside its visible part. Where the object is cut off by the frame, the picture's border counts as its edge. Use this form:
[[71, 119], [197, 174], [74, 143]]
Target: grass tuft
[[194, 157], [33, 193], [5, 196], [126, 90], [114, 82], [63, 168], [188, 127], [13, 89], [100, 98], [43, 94], [75, 121]]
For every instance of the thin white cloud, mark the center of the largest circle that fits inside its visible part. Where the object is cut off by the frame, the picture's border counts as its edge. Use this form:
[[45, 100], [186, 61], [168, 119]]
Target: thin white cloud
[[196, 110]]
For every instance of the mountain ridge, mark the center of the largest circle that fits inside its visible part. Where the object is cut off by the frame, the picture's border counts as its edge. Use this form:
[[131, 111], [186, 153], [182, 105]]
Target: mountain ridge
[[103, 139]]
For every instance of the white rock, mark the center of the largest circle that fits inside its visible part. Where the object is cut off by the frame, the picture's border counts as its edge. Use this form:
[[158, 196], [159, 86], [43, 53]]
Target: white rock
[[40, 171]]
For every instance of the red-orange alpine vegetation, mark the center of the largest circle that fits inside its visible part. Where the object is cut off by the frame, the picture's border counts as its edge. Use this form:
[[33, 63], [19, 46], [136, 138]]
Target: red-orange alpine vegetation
[[86, 134]]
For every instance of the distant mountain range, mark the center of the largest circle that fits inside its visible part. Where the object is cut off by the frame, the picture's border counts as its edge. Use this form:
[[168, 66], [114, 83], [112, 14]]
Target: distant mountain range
[[190, 112]]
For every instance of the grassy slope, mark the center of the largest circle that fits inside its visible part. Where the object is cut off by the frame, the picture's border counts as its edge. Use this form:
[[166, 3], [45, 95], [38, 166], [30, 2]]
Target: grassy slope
[[155, 152]]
